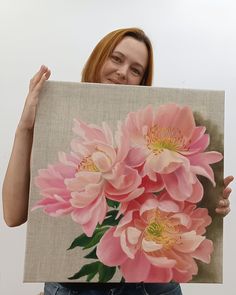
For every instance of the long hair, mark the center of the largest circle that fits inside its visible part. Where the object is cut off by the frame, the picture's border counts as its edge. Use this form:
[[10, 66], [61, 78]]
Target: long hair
[[105, 47]]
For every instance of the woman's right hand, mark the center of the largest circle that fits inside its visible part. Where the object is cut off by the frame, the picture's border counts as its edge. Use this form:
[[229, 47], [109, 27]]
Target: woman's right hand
[[36, 83], [16, 183]]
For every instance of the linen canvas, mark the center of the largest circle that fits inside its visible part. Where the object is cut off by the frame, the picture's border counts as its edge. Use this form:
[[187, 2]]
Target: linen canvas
[[124, 185]]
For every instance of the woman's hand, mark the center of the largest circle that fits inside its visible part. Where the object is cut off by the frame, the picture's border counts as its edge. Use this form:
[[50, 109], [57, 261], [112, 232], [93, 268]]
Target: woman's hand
[[29, 112], [224, 203], [15, 189]]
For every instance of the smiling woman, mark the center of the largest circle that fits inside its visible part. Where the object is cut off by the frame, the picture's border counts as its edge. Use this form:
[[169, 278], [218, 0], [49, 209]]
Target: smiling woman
[[123, 56], [126, 64]]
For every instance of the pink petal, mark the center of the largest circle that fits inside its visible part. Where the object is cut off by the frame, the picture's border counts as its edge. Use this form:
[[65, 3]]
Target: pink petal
[[84, 198], [123, 223], [55, 206], [189, 242], [91, 215], [107, 150], [179, 118], [200, 164], [150, 246], [101, 161], [148, 205], [88, 131], [184, 219], [159, 275], [152, 186], [133, 235], [129, 250], [165, 162], [201, 144], [69, 160], [137, 269], [162, 262], [145, 117], [97, 217], [82, 179], [181, 275], [137, 156], [184, 262], [204, 251], [123, 142], [172, 187], [108, 133], [197, 192], [197, 135], [109, 250]]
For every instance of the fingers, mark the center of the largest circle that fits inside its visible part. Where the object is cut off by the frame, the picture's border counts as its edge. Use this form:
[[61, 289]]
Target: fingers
[[226, 193], [40, 83], [223, 207], [223, 211], [227, 180], [28, 115], [42, 75], [224, 203]]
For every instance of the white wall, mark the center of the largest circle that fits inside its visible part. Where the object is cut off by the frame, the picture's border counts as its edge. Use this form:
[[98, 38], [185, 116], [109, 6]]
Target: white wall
[[195, 47]]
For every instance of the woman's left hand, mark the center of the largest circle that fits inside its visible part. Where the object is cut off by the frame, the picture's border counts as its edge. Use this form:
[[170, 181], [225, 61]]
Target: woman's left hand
[[224, 203]]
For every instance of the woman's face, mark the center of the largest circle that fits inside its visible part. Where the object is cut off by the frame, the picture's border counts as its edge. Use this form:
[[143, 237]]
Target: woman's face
[[126, 64]]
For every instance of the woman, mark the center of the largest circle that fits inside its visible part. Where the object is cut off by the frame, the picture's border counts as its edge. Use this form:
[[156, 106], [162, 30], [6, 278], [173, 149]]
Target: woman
[[122, 57]]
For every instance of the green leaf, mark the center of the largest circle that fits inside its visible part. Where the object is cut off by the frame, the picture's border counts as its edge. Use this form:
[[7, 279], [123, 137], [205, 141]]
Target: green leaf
[[92, 254], [106, 273], [87, 269], [112, 213], [96, 237], [113, 204], [111, 221], [90, 277], [80, 241], [88, 242]]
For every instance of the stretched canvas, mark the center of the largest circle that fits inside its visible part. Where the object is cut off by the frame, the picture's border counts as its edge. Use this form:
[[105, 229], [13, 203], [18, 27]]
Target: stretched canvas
[[124, 185]]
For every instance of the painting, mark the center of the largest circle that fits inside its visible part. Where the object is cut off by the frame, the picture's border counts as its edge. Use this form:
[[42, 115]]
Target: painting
[[124, 185]]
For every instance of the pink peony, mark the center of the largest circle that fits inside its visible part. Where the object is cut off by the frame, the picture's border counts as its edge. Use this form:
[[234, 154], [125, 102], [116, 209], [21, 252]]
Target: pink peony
[[158, 242], [168, 143], [92, 171], [57, 199], [101, 170]]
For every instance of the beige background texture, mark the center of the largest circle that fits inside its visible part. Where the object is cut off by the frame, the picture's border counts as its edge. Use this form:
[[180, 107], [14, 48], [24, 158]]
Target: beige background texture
[[46, 257]]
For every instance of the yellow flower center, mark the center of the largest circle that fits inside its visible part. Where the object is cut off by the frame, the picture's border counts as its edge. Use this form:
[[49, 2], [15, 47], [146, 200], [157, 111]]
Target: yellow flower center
[[160, 138], [162, 230], [87, 164]]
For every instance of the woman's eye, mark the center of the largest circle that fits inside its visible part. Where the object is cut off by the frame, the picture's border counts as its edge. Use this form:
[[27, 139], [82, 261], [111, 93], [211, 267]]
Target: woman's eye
[[116, 59], [136, 71]]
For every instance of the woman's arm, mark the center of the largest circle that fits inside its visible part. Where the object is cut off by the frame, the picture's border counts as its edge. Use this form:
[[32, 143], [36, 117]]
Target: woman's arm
[[15, 189]]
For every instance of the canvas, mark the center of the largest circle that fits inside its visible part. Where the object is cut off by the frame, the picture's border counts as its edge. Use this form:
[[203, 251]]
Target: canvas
[[122, 186]]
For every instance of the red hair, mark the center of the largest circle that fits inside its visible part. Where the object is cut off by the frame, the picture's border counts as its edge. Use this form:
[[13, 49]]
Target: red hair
[[106, 46]]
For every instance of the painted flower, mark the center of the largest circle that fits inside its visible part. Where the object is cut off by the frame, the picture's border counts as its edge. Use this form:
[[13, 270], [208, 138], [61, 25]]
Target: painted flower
[[168, 143], [158, 242], [96, 170], [101, 170], [57, 200]]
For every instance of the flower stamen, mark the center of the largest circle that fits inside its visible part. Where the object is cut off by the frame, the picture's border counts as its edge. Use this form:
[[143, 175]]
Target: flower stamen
[[160, 138], [87, 164], [161, 230]]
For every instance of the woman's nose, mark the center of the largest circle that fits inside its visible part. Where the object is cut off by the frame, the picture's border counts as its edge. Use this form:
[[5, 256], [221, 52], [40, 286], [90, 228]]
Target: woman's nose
[[122, 71]]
